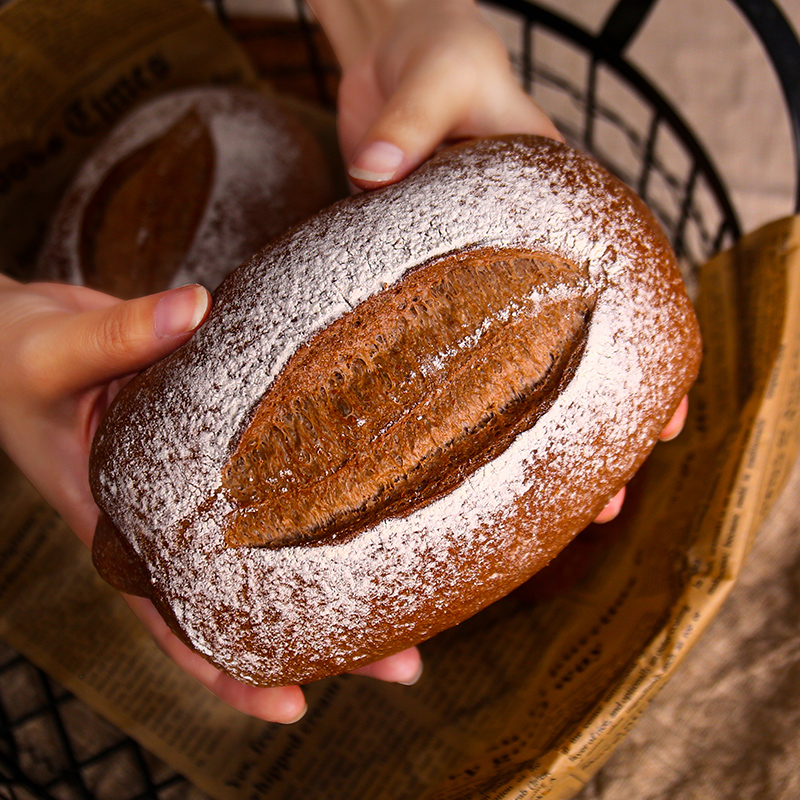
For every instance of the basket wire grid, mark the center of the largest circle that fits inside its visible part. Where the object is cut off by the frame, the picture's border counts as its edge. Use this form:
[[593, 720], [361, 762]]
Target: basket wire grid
[[52, 746]]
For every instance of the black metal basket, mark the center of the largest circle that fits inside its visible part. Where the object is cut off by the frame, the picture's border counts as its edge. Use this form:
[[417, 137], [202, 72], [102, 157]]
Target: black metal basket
[[51, 744], [680, 183]]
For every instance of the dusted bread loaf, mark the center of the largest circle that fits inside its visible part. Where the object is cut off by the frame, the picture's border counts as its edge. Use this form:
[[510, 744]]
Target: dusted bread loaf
[[183, 190], [397, 412]]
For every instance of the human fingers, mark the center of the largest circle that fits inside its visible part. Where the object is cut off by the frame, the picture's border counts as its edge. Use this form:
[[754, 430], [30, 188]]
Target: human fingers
[[443, 96], [67, 353], [611, 511], [675, 425], [672, 429], [404, 667], [284, 704]]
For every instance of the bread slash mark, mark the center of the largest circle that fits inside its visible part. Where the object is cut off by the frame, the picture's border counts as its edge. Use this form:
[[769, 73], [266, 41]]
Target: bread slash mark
[[401, 399]]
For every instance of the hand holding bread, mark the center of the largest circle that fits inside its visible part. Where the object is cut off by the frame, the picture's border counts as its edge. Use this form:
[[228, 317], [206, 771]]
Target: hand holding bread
[[67, 349]]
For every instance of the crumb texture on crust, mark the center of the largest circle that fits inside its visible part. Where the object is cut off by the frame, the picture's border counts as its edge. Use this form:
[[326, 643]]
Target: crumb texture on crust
[[294, 613], [397, 402]]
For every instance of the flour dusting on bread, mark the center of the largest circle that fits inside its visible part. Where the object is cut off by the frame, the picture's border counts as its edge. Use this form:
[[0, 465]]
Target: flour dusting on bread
[[290, 614]]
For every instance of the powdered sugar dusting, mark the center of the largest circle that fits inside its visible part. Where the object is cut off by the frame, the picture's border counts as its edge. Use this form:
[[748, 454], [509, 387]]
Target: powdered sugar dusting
[[313, 605]]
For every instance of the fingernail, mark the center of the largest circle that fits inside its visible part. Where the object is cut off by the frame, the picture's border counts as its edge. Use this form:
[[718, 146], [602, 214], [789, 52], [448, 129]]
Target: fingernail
[[298, 717], [668, 436], [413, 680], [672, 431], [676, 425], [377, 162], [612, 509], [180, 311]]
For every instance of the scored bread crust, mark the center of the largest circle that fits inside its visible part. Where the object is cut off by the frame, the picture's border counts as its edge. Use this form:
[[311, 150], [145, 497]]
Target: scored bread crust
[[222, 169], [304, 610]]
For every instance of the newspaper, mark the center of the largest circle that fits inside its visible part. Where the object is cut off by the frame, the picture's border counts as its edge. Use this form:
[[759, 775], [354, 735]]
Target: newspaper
[[529, 697], [70, 70]]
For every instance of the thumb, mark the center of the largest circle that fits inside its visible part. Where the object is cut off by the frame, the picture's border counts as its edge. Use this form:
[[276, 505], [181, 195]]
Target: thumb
[[433, 105], [100, 345]]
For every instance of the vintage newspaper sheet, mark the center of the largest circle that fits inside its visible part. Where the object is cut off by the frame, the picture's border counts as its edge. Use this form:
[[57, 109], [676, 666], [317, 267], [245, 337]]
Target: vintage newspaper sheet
[[528, 698], [70, 70]]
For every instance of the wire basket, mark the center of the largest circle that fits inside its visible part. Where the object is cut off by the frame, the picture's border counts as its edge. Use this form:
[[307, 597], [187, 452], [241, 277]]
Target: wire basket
[[52, 746]]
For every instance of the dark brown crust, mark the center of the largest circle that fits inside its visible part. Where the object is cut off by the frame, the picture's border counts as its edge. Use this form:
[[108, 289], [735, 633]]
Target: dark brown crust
[[116, 561], [128, 223]]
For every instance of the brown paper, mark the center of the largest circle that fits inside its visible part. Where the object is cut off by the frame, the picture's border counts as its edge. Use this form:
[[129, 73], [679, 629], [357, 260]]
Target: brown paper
[[529, 697]]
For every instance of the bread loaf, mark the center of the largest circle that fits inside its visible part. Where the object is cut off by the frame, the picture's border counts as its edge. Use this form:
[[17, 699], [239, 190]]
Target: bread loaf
[[183, 190], [397, 412]]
